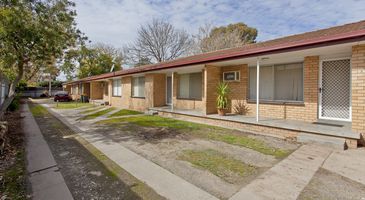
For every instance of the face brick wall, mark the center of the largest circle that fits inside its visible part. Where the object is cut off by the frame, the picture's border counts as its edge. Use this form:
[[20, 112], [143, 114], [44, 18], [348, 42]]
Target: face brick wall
[[358, 88], [308, 111], [127, 101], [106, 91], [186, 103], [96, 90], [114, 100], [212, 77], [86, 89], [239, 88], [159, 90]]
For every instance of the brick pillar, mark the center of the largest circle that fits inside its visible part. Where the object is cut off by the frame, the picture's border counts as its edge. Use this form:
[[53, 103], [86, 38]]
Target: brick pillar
[[91, 91], [358, 88], [155, 90], [159, 90], [212, 76], [110, 92], [174, 89], [148, 91], [311, 76]]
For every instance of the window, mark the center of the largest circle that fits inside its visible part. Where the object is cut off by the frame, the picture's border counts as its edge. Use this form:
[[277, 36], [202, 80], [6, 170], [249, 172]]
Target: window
[[117, 87], [190, 86], [279, 82], [138, 87]]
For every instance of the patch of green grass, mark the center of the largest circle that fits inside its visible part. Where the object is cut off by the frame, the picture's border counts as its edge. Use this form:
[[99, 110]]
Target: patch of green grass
[[217, 163], [245, 141], [14, 179], [91, 110], [97, 114], [38, 110], [203, 131], [125, 112], [71, 105]]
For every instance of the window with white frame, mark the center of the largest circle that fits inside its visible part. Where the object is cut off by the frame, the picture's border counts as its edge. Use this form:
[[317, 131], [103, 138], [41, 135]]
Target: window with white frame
[[117, 87], [190, 86], [282, 82], [138, 86]]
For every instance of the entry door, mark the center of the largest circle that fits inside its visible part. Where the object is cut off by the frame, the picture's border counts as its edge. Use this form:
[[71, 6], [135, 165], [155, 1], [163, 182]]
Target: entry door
[[168, 90], [335, 90]]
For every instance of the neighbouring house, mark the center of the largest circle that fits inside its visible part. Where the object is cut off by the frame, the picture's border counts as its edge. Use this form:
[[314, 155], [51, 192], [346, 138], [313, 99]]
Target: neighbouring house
[[4, 88], [308, 86]]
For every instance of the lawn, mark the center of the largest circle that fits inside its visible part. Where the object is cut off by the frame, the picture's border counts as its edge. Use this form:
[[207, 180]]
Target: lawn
[[125, 112], [202, 131], [221, 165], [71, 105], [98, 114], [38, 110]]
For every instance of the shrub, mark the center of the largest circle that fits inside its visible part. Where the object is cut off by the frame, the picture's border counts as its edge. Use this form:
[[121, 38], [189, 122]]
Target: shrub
[[241, 108], [15, 103]]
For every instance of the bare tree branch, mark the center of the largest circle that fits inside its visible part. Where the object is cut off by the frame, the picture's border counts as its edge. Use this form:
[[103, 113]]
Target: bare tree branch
[[158, 41]]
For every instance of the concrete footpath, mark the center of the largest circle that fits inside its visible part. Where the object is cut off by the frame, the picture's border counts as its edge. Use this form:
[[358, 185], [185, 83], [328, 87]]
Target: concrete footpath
[[46, 182], [287, 179]]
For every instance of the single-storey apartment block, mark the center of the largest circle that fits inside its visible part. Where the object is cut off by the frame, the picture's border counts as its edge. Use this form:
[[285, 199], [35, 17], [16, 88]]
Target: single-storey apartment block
[[309, 86]]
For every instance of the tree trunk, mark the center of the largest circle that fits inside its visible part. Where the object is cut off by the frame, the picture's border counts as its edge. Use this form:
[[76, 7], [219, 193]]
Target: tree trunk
[[11, 95]]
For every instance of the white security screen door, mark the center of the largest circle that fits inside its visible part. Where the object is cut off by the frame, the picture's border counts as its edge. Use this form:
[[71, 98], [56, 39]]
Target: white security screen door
[[335, 90], [168, 90]]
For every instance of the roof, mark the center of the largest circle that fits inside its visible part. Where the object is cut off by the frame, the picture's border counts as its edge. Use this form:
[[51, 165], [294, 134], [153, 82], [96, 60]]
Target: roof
[[324, 37]]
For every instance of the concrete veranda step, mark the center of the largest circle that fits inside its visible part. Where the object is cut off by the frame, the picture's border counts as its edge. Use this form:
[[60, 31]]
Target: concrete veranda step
[[335, 142]]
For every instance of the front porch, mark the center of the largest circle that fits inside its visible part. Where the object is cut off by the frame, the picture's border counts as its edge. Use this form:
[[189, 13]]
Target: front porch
[[338, 133]]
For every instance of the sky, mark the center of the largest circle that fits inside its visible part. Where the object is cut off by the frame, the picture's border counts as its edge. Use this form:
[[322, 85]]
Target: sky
[[116, 22]]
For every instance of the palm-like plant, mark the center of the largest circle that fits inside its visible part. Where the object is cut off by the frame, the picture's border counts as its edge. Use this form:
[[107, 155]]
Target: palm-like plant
[[222, 98]]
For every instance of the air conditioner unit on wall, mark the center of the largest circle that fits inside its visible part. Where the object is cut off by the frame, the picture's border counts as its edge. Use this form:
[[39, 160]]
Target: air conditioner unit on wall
[[231, 76]]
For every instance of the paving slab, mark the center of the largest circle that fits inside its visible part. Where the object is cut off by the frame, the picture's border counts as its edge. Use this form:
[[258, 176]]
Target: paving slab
[[287, 179], [162, 181], [43, 174], [349, 163]]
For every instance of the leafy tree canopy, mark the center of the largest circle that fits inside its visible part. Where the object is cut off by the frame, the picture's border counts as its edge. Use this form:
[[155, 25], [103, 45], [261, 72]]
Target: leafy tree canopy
[[230, 36], [34, 34], [95, 60]]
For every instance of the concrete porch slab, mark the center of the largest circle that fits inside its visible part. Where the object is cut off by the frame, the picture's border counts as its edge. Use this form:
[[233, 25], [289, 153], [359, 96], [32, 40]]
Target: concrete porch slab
[[298, 126]]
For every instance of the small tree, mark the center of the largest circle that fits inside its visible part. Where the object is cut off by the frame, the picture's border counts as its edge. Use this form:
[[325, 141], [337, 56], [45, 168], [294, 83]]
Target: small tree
[[158, 41], [33, 34]]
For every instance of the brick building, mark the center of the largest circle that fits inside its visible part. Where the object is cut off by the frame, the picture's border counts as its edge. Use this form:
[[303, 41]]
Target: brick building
[[304, 80]]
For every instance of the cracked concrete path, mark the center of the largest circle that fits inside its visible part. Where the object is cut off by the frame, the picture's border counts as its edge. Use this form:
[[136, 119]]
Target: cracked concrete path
[[45, 179], [288, 178]]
